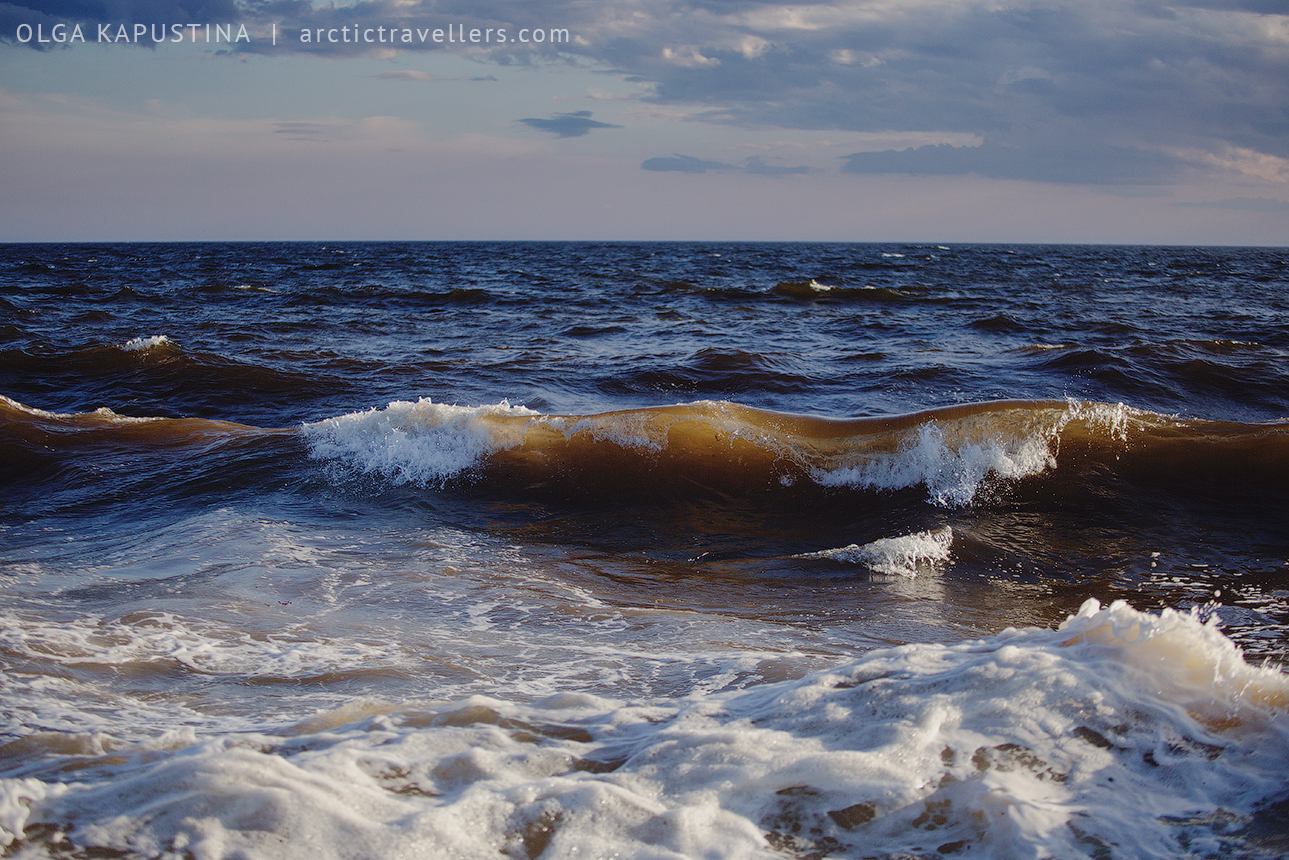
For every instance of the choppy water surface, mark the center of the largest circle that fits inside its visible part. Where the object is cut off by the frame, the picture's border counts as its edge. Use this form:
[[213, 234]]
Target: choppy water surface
[[643, 550]]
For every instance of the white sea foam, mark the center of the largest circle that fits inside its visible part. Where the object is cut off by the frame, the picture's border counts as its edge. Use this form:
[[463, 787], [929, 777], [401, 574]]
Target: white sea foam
[[897, 556], [419, 443], [80, 673], [199, 646], [952, 475], [142, 344], [955, 459], [1120, 733]]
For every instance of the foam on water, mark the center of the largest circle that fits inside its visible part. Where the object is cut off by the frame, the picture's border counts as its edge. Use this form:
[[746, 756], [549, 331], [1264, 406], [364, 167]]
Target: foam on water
[[954, 460], [953, 453], [1120, 733], [951, 475], [143, 344], [422, 442], [897, 556], [95, 677], [196, 645]]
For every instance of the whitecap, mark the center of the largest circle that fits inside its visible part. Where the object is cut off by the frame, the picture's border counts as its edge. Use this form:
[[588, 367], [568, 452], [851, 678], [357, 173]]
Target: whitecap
[[897, 556], [143, 344], [418, 443]]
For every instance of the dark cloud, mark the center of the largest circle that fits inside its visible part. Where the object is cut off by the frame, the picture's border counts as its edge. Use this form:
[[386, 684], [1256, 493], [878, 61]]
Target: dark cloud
[[756, 165], [418, 75], [1107, 92], [1244, 204], [1093, 165], [685, 164], [1263, 7], [89, 10], [125, 11], [310, 131], [689, 164], [573, 124], [89, 13], [1102, 91]]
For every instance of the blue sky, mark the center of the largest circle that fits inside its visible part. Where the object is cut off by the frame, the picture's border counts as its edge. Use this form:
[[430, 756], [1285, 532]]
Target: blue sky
[[955, 120]]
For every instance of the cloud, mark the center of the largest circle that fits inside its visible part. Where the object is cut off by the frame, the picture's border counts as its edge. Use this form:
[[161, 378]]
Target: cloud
[[689, 164], [311, 131], [406, 75], [1244, 204], [756, 165], [1100, 91], [1093, 164], [417, 75], [91, 12], [688, 57], [1095, 92], [573, 124], [685, 164]]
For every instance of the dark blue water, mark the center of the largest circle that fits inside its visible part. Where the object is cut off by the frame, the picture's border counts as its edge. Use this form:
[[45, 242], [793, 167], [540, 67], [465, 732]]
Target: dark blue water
[[280, 333], [375, 475]]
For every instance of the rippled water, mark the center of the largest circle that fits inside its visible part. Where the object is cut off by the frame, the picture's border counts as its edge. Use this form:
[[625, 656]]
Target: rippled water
[[557, 550]]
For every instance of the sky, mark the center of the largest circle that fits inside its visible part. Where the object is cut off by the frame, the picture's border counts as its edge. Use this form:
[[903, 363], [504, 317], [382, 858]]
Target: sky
[[1102, 121]]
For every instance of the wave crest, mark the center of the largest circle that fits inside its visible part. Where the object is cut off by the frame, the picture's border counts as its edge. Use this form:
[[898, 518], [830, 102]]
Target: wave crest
[[421, 443], [723, 447]]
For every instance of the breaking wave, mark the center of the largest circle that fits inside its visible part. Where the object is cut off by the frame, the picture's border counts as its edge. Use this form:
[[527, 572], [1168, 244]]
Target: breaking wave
[[954, 453]]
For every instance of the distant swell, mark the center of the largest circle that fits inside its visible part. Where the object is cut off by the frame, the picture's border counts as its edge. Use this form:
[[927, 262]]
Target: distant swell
[[156, 375], [103, 455]]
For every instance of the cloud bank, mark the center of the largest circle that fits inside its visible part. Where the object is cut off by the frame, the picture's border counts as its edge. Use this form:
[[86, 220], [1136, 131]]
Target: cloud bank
[[573, 124], [689, 164], [1100, 91]]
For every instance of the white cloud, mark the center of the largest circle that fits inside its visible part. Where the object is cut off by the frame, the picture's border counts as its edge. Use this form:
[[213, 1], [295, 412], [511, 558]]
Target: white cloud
[[406, 75], [688, 57], [751, 46], [1247, 162]]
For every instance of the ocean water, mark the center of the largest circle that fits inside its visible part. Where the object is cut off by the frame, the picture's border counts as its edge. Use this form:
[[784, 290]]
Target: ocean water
[[559, 550]]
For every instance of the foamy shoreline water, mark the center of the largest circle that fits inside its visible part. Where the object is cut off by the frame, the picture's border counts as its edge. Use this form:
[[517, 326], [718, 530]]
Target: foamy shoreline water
[[1108, 733]]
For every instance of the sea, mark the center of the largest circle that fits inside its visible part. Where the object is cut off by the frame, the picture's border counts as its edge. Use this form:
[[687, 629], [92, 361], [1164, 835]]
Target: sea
[[643, 550]]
